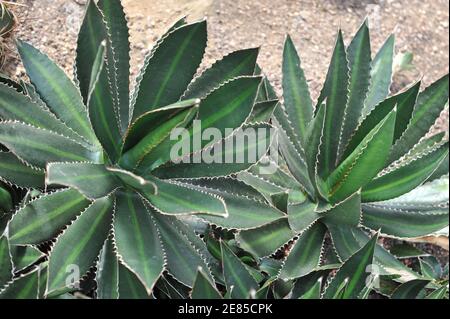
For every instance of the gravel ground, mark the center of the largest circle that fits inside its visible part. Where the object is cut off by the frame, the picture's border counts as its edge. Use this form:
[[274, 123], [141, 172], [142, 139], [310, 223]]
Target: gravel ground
[[420, 26]]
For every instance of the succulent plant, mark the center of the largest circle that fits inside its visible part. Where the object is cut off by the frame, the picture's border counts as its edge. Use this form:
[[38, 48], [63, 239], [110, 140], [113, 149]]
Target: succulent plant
[[360, 161], [102, 157]]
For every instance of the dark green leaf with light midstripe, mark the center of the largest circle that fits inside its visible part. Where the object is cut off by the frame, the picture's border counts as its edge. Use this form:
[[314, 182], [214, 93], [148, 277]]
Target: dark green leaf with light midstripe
[[354, 271], [130, 287], [16, 106], [38, 146], [380, 76], [24, 256], [183, 258], [101, 110], [137, 239], [107, 275], [236, 64], [57, 90], [404, 102], [80, 244], [302, 215], [203, 288], [429, 106], [16, 172], [297, 99], [335, 91], [177, 198], [118, 55], [305, 254], [404, 222], [359, 61], [265, 240], [90, 36], [6, 265], [401, 180], [24, 287], [82, 176], [238, 280], [170, 67], [364, 163], [43, 218]]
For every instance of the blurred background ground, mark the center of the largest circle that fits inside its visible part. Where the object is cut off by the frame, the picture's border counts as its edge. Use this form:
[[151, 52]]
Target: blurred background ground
[[420, 26]]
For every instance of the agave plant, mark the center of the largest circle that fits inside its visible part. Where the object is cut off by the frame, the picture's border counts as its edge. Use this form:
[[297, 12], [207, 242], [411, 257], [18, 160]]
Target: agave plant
[[357, 162], [102, 157]]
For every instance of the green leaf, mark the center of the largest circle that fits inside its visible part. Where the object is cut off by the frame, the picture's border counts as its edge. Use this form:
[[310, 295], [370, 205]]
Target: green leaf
[[183, 257], [170, 68], [55, 88], [149, 124], [306, 284], [428, 196], [107, 275], [6, 201], [292, 153], [41, 219], [137, 239], [134, 181], [404, 102], [335, 91], [234, 154], [130, 287], [429, 106], [203, 288], [234, 110], [364, 162], [265, 240], [15, 106], [359, 62], [101, 110], [409, 290], [263, 111], [25, 256], [314, 292], [176, 198], [405, 222], [243, 212], [354, 270], [228, 107], [82, 177], [348, 241], [24, 287], [236, 64], [305, 255], [142, 156], [16, 172], [312, 148], [239, 282], [347, 212], [6, 265], [302, 215], [119, 56], [381, 76], [297, 99], [38, 146], [80, 244], [90, 36], [401, 180]]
